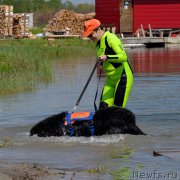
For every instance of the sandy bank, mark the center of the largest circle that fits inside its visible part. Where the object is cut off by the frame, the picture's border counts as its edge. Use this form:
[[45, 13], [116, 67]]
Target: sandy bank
[[29, 171]]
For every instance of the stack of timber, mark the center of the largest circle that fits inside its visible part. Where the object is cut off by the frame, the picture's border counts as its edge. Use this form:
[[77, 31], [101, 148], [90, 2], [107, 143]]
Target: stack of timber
[[13, 25], [20, 25], [6, 19], [67, 23]]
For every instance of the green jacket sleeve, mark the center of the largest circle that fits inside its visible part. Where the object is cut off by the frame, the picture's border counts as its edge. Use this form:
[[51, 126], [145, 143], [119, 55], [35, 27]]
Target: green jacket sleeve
[[119, 54]]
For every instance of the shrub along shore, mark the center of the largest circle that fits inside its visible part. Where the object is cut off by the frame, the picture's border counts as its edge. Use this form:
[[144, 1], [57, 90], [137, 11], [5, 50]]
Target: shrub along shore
[[25, 63]]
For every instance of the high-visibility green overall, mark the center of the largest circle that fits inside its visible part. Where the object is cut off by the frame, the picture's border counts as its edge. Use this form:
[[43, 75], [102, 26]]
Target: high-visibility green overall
[[119, 75]]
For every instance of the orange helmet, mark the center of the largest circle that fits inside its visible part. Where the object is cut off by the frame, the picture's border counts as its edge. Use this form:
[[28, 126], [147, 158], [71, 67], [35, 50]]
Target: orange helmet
[[90, 26]]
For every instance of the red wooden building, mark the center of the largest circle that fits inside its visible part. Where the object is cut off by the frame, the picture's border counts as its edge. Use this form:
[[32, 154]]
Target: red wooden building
[[129, 15]]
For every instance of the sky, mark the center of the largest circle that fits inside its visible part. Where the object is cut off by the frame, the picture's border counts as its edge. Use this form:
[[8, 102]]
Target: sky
[[80, 1]]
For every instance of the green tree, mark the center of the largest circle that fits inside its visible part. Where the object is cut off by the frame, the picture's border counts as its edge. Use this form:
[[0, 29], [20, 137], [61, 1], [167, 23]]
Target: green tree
[[54, 4], [45, 9], [85, 8], [68, 5], [37, 5]]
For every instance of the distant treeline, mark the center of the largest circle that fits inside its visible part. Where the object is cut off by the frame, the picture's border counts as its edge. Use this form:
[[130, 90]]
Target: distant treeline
[[44, 9], [32, 6]]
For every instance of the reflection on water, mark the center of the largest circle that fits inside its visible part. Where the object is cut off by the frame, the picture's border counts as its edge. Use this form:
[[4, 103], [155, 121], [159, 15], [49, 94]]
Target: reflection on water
[[154, 99], [158, 60]]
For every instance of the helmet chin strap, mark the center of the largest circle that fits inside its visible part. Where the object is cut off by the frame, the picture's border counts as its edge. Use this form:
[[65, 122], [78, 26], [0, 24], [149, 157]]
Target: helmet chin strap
[[100, 33]]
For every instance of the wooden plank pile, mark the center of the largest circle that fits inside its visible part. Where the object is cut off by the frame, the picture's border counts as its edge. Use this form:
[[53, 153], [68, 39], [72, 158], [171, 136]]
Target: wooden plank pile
[[12, 25], [20, 25], [68, 23], [6, 19]]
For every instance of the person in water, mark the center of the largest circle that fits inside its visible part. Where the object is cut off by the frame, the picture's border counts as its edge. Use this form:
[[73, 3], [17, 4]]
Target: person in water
[[119, 75]]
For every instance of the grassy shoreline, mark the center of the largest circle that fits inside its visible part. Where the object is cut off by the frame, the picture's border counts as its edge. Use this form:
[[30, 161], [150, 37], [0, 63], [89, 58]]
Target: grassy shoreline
[[25, 63]]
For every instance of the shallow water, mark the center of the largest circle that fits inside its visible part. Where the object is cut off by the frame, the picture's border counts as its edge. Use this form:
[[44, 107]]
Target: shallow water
[[154, 99]]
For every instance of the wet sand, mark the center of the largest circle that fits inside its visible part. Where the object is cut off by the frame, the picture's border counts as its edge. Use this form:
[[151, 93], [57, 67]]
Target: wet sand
[[29, 171]]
